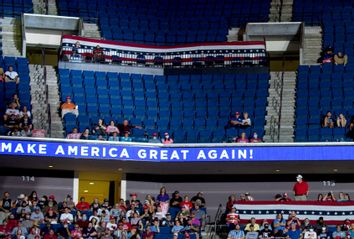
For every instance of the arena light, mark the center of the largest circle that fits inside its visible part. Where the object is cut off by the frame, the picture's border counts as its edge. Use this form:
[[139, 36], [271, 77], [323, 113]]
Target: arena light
[[92, 183]]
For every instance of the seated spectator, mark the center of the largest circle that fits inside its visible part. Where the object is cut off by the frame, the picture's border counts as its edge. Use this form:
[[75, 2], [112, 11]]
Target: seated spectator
[[16, 100], [25, 112], [2, 75], [114, 137], [82, 205], [154, 139], [243, 138], [283, 198], [85, 134], [101, 138], [292, 218], [230, 203], [346, 225], [343, 198], [74, 134], [340, 59], [100, 128], [235, 121], [176, 229], [252, 223], [232, 218], [341, 121], [126, 137], [98, 56], [327, 56], [75, 51], [255, 138], [200, 215], [186, 202], [319, 224], [51, 216], [329, 197], [198, 199], [37, 216], [248, 197], [148, 234], [323, 234], [267, 232], [167, 139], [126, 127], [279, 222], [246, 121], [266, 223], [26, 126], [69, 107], [11, 117], [338, 233], [236, 232], [11, 75], [328, 121], [252, 234], [111, 128], [66, 216]]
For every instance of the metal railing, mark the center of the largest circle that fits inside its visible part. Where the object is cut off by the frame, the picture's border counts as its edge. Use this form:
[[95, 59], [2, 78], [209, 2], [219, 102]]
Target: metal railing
[[213, 229]]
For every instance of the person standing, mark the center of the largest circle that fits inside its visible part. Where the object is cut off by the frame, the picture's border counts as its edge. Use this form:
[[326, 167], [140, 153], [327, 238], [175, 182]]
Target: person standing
[[301, 189]]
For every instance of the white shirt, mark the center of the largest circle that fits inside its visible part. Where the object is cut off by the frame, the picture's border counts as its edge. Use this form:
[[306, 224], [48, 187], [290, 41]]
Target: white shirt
[[248, 121], [11, 74], [12, 112], [66, 216], [111, 226], [28, 114], [310, 235]]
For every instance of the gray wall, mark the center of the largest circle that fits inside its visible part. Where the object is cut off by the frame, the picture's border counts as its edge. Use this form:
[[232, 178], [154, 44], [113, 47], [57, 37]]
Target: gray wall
[[218, 192], [15, 185]]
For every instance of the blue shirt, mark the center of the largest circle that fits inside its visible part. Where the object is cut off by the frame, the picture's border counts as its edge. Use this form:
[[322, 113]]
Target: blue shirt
[[279, 228], [294, 234], [236, 234]]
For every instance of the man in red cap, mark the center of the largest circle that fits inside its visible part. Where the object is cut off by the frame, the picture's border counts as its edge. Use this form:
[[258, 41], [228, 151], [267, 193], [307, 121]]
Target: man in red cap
[[301, 189], [235, 121], [155, 139], [69, 107]]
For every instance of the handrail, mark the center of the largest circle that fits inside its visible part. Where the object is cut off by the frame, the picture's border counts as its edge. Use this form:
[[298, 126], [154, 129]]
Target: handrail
[[212, 230]]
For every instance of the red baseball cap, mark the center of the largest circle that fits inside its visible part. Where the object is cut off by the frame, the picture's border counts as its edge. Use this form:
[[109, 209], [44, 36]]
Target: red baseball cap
[[237, 113]]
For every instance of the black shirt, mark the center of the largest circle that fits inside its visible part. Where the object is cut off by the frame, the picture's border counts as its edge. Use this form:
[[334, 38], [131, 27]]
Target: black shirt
[[6, 204]]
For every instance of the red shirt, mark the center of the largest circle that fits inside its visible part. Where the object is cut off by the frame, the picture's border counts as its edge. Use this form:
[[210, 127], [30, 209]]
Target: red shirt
[[82, 206], [188, 204], [301, 188], [232, 218]]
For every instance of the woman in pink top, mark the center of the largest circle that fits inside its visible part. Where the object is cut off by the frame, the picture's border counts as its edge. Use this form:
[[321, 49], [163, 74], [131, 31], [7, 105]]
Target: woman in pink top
[[243, 138], [111, 128], [167, 139]]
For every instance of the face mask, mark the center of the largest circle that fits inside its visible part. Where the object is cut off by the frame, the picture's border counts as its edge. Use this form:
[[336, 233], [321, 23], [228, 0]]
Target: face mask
[[255, 136], [311, 230], [167, 136], [298, 179]]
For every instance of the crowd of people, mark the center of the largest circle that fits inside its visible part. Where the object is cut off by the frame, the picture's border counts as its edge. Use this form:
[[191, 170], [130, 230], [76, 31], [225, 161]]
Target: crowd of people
[[17, 118], [34, 217]]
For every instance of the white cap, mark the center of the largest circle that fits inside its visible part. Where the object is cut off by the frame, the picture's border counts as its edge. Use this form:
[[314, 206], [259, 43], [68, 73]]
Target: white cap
[[299, 176]]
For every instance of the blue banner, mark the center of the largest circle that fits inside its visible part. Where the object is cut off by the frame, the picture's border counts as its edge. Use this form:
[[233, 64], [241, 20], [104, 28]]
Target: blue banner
[[232, 153]]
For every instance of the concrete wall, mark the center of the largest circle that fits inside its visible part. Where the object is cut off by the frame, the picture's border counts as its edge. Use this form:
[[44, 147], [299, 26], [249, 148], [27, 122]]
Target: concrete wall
[[15, 185]]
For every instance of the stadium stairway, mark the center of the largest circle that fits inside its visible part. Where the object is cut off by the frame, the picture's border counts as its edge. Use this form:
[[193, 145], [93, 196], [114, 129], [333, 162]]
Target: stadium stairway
[[38, 95], [287, 110], [280, 116], [39, 7], [56, 123], [10, 36], [233, 34], [274, 12], [281, 11], [273, 108], [91, 30], [312, 45], [286, 11]]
